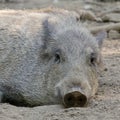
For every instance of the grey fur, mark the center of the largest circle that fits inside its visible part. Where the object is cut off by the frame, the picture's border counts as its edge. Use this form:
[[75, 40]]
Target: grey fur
[[29, 74]]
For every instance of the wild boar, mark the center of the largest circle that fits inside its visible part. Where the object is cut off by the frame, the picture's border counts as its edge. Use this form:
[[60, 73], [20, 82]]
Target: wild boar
[[47, 59]]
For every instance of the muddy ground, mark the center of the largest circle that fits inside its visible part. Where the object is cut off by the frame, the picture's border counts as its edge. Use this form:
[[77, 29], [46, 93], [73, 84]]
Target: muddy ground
[[106, 104]]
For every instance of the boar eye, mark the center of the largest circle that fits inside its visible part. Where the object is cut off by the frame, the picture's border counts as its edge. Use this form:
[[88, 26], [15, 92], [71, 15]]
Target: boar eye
[[93, 59], [57, 58]]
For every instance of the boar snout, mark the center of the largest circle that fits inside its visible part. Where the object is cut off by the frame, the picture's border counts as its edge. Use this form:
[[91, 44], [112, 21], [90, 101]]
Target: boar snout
[[75, 99]]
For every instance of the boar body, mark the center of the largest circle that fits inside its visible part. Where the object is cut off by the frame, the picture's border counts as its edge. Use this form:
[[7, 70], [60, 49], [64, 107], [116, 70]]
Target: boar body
[[44, 57]]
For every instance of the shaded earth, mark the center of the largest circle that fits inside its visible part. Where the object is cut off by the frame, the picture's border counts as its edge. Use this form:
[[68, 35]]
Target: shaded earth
[[106, 104]]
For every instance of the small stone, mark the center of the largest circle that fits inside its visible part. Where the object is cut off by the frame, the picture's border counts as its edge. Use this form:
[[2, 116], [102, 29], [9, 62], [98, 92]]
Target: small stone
[[113, 34], [111, 17], [105, 69]]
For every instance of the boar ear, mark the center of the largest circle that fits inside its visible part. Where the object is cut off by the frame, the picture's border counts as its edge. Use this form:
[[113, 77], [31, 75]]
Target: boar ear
[[100, 36], [49, 26]]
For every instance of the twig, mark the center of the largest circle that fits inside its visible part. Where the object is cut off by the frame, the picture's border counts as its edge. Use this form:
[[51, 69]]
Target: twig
[[116, 10], [106, 28]]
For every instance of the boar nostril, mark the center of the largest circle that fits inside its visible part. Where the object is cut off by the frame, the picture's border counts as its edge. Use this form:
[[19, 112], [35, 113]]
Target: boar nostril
[[75, 99], [81, 100], [69, 100]]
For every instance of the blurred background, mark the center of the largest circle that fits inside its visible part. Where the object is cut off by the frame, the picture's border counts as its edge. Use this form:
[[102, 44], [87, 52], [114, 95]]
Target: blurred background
[[67, 4], [107, 10]]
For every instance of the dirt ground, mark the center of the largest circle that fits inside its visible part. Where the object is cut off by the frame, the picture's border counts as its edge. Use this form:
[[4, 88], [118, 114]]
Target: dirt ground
[[104, 106]]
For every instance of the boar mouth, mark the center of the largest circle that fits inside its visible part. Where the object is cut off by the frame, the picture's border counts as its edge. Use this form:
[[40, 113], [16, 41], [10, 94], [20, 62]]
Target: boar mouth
[[74, 99]]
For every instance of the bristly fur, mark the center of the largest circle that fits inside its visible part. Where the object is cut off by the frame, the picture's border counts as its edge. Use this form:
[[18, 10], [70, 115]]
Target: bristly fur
[[29, 43]]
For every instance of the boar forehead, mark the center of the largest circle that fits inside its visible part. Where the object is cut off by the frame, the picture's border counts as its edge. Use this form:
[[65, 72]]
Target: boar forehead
[[68, 36], [71, 40], [76, 41]]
